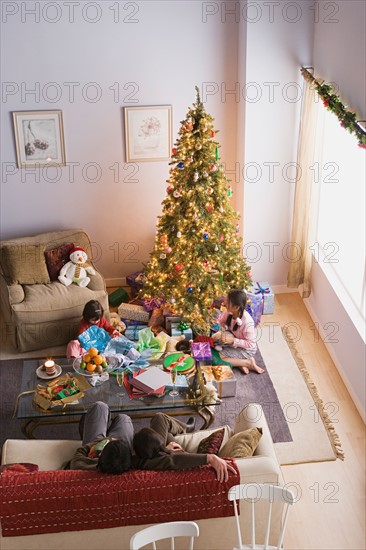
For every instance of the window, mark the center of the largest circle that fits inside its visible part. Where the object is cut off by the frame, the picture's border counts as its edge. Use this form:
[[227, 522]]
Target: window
[[341, 219]]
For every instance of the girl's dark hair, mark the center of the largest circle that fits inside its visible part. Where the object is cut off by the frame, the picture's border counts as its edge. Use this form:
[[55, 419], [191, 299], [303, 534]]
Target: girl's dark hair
[[92, 310], [236, 297], [115, 458], [147, 443]]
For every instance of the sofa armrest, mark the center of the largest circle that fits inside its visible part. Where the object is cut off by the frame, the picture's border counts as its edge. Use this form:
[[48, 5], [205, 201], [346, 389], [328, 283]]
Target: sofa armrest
[[96, 282], [48, 454], [16, 294]]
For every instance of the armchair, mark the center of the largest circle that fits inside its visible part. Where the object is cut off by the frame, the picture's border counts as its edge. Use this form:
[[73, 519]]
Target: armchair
[[39, 312]]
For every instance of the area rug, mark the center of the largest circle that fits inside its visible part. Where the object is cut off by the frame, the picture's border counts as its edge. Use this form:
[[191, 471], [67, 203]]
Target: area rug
[[299, 426], [314, 438]]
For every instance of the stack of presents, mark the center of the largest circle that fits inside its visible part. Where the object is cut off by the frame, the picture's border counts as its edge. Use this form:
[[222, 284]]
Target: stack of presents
[[144, 317]]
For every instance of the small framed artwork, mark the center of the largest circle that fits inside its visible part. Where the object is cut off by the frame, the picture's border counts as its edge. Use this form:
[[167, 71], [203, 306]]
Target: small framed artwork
[[148, 133], [39, 138]]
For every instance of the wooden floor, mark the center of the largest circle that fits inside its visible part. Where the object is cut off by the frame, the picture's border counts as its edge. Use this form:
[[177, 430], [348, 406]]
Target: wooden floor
[[330, 512]]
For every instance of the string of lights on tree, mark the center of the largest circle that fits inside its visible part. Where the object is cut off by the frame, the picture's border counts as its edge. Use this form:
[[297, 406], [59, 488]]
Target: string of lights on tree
[[333, 103], [197, 254]]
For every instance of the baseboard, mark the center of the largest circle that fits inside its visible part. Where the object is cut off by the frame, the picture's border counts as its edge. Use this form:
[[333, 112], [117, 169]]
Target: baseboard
[[339, 367], [117, 281]]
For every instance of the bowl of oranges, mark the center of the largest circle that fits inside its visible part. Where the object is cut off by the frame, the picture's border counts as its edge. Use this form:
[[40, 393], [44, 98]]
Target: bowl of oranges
[[94, 363]]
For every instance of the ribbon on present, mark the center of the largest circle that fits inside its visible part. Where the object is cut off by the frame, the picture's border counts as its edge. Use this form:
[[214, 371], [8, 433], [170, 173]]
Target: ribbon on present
[[183, 326], [262, 291], [152, 303]]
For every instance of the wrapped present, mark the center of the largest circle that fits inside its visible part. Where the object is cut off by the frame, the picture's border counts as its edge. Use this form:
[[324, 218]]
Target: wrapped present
[[117, 297], [254, 307], [201, 351], [132, 331], [264, 290], [131, 311], [135, 281], [169, 318], [177, 329], [222, 378], [152, 303]]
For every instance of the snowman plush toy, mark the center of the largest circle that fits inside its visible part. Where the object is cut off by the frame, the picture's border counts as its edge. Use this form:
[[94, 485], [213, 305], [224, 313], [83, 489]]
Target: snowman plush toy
[[75, 271]]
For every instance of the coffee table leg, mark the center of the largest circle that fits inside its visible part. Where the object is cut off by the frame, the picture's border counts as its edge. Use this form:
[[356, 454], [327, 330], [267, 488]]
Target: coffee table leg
[[28, 428], [208, 415]]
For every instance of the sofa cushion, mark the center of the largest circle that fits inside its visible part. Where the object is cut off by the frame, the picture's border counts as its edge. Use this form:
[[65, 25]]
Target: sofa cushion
[[56, 258], [190, 442], [211, 444], [24, 264], [242, 444]]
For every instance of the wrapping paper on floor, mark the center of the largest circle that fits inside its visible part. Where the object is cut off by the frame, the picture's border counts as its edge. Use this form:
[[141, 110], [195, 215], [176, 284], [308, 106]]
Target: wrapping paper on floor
[[156, 344]]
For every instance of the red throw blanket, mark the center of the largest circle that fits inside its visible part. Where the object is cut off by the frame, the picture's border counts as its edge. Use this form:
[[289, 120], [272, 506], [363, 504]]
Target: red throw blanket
[[56, 501]]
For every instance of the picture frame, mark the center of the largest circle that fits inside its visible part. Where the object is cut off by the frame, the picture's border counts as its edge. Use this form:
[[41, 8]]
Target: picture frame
[[39, 138], [148, 133]]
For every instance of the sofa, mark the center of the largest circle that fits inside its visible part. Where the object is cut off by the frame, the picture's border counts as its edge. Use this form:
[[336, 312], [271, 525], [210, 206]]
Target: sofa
[[216, 532], [39, 311]]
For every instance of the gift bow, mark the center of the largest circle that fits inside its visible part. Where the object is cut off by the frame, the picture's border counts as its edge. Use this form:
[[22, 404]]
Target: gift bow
[[262, 290], [182, 326]]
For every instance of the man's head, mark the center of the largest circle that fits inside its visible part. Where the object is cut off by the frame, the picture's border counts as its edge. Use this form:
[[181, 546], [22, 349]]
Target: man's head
[[115, 458], [147, 443]]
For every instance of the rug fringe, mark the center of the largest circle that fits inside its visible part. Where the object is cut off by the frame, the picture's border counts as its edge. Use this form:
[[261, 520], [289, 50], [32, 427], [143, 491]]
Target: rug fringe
[[332, 434]]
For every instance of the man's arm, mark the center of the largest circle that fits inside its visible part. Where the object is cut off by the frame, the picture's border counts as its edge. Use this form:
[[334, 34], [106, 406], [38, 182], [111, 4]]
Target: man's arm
[[81, 461]]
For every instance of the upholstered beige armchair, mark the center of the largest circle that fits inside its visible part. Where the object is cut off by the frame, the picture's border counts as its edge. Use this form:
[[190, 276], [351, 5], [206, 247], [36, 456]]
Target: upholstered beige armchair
[[38, 311]]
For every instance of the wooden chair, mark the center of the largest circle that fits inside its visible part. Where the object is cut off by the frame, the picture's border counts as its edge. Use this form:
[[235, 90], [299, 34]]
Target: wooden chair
[[173, 529], [254, 492]]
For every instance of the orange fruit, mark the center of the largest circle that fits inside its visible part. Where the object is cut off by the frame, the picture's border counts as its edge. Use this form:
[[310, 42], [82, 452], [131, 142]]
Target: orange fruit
[[93, 352], [98, 360], [91, 367], [87, 358]]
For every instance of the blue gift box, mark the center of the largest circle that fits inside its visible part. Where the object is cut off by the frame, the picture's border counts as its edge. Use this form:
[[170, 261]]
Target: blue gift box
[[187, 333], [264, 290]]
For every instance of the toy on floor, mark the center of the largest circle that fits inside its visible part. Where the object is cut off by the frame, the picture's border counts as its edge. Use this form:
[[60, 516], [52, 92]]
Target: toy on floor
[[75, 271], [212, 395], [173, 342], [116, 322]]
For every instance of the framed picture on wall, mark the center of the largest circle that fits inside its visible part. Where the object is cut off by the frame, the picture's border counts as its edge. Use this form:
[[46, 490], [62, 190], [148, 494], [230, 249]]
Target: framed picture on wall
[[148, 133], [39, 138]]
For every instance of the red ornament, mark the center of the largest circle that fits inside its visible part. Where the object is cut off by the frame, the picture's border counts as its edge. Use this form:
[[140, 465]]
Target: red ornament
[[221, 238], [213, 167], [169, 189], [209, 208], [171, 276], [174, 151], [189, 126], [178, 268], [212, 133]]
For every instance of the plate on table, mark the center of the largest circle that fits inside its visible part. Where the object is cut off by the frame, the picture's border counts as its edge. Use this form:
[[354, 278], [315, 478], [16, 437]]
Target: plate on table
[[175, 360], [111, 360], [41, 373]]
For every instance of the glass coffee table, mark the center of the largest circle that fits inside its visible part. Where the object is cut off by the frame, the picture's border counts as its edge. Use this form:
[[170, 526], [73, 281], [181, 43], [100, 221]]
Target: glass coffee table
[[115, 396]]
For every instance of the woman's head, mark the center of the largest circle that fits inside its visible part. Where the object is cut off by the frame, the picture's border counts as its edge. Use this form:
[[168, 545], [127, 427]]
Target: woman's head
[[92, 312], [147, 443]]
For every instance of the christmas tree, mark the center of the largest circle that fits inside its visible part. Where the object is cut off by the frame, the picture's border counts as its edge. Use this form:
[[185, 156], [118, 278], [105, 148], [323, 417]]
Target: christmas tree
[[197, 252]]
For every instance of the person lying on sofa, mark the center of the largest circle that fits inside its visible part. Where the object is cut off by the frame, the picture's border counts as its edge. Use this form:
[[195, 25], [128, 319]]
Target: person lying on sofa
[[107, 443], [154, 449]]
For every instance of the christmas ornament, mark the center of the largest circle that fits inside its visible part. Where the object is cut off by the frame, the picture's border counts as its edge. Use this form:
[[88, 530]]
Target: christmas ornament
[[217, 153], [169, 188], [213, 167], [176, 194], [206, 264], [180, 165], [221, 238], [213, 133], [189, 127], [205, 174], [210, 190], [189, 289], [178, 268], [172, 300], [162, 256], [168, 249], [174, 151], [237, 228], [163, 239], [221, 209], [179, 234], [229, 191], [216, 248], [198, 146], [209, 208], [195, 177], [206, 236]]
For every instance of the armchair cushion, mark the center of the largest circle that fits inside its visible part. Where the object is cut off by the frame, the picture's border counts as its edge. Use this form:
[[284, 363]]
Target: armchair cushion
[[56, 258], [242, 444], [211, 444], [24, 264]]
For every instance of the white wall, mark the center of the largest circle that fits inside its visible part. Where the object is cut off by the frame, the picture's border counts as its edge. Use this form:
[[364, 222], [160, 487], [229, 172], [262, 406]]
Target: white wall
[[276, 48], [159, 59]]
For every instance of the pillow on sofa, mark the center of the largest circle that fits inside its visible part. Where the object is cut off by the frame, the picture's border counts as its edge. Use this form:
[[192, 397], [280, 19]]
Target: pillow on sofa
[[19, 468], [56, 258], [191, 441], [211, 444], [242, 444], [24, 264]]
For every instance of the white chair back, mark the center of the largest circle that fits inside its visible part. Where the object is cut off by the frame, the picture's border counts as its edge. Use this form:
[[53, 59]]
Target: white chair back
[[160, 531], [254, 492]]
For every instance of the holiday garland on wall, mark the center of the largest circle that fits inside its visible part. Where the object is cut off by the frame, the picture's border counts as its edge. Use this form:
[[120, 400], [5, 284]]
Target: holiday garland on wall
[[333, 103], [197, 255]]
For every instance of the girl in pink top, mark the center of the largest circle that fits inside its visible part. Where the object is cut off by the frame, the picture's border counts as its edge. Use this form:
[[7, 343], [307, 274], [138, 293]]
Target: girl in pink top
[[238, 337]]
